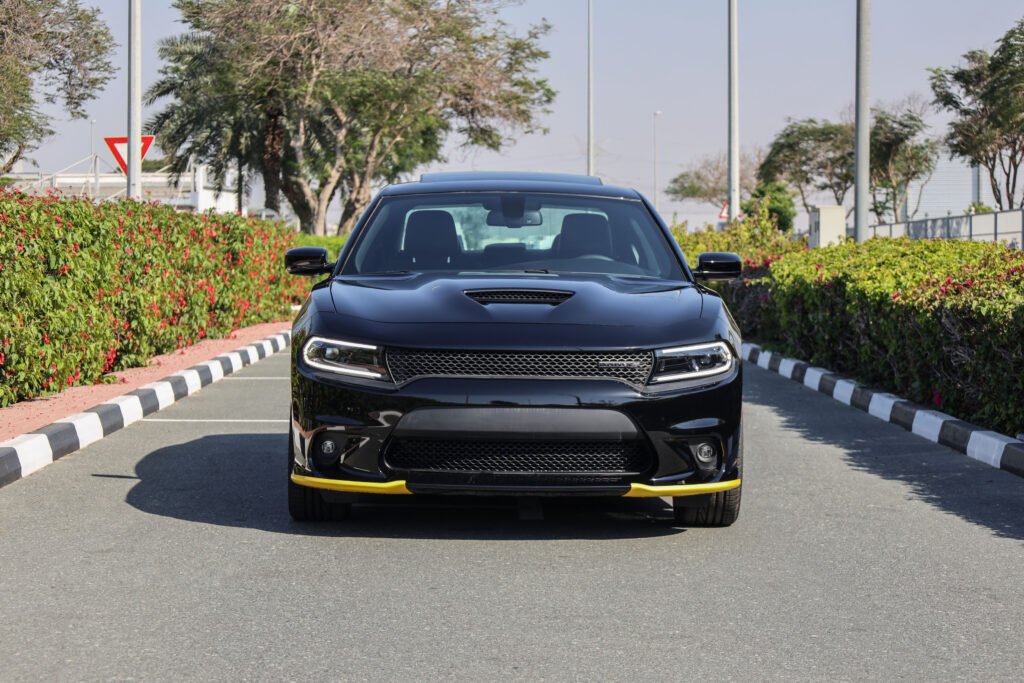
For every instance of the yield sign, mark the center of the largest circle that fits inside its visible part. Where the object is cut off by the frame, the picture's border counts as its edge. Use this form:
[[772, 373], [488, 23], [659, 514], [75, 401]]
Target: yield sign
[[119, 148]]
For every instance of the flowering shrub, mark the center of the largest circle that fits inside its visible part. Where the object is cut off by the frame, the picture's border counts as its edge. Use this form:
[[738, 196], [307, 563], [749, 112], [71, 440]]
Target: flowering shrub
[[938, 321], [90, 289], [756, 239]]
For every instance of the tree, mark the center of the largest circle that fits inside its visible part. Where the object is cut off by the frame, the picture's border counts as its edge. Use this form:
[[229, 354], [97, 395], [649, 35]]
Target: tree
[[985, 94], [208, 121], [707, 179], [777, 200], [354, 91], [53, 50], [900, 154], [811, 156]]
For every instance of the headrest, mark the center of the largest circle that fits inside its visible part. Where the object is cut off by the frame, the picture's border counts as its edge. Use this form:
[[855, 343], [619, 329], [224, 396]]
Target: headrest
[[431, 232], [585, 233]]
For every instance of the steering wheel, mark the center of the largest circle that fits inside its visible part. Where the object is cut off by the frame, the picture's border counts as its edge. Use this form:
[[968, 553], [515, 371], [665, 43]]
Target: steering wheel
[[596, 257]]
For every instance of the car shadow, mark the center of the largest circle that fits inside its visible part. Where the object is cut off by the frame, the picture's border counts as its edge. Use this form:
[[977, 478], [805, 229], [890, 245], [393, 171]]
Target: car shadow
[[238, 480], [939, 476]]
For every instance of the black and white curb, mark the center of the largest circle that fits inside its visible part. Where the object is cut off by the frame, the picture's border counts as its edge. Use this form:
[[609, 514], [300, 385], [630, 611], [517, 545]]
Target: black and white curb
[[991, 448], [24, 454]]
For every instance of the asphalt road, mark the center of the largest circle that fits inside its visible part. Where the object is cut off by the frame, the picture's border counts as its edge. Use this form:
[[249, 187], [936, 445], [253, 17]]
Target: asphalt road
[[164, 552]]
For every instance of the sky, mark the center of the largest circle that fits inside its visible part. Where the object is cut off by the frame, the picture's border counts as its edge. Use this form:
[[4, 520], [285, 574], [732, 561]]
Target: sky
[[796, 60]]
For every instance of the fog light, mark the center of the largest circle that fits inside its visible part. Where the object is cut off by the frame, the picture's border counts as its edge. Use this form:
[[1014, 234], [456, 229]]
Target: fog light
[[705, 453], [325, 453]]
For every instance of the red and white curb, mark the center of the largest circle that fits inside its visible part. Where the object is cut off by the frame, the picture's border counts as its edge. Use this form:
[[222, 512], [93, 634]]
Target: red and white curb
[[27, 453], [993, 449]]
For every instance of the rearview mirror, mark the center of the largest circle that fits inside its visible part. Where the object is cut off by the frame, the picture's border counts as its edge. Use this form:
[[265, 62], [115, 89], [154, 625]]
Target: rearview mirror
[[718, 265], [307, 261]]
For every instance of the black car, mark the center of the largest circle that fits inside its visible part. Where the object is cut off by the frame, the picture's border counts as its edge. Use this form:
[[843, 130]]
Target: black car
[[518, 334]]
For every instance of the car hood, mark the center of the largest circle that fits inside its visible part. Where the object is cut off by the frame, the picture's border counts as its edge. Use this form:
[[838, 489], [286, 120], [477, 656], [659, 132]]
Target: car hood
[[434, 311]]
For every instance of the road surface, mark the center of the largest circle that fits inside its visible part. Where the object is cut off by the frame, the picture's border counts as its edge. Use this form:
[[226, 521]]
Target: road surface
[[164, 552]]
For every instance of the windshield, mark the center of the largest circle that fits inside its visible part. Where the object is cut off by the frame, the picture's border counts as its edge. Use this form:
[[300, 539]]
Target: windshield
[[508, 232]]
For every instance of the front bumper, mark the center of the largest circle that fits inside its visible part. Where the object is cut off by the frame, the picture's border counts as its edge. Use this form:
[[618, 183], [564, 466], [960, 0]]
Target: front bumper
[[369, 424], [399, 487]]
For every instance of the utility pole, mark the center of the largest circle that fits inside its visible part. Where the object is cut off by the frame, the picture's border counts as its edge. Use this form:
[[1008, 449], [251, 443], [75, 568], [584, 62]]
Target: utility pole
[[734, 116], [590, 88], [95, 161], [134, 99], [655, 135], [862, 146]]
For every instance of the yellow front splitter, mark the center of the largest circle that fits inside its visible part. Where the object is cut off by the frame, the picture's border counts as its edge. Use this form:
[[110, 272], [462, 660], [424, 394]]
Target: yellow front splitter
[[645, 491], [394, 488], [400, 489]]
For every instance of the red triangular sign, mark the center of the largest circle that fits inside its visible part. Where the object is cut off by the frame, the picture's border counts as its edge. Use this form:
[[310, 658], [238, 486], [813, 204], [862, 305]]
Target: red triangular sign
[[119, 148]]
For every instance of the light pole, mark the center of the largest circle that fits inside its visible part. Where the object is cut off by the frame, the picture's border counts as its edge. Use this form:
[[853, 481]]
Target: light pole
[[590, 88], [134, 99], [95, 161], [862, 146], [654, 128], [734, 116]]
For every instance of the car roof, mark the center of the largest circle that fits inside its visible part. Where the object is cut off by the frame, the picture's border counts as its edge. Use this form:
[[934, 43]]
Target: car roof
[[508, 181]]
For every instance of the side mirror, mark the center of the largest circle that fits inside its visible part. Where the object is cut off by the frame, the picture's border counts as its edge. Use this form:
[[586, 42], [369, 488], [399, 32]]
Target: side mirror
[[718, 265], [307, 261]]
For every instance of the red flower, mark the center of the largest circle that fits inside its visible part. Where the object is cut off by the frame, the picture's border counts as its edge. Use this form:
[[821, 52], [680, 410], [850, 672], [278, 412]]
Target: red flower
[[937, 398], [895, 295]]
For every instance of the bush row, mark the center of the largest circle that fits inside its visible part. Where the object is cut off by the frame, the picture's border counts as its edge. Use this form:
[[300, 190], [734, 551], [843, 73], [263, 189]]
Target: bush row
[[939, 322], [88, 289]]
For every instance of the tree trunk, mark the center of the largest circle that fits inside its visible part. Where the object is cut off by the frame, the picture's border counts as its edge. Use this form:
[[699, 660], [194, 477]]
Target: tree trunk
[[356, 201], [15, 158], [273, 146], [240, 188]]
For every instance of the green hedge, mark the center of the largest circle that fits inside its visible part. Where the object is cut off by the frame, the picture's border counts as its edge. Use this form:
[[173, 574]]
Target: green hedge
[[90, 289], [332, 243], [940, 322]]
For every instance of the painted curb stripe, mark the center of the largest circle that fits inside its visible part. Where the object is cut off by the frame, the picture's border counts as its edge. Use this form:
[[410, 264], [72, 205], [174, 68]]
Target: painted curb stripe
[[111, 418], [991, 448], [10, 466], [27, 453], [87, 426]]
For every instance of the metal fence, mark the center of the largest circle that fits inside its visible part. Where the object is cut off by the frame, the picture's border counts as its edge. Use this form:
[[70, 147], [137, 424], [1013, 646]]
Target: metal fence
[[999, 226]]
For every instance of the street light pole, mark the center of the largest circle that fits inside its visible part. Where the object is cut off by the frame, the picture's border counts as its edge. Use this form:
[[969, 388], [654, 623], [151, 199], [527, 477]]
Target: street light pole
[[734, 115], [655, 136], [590, 88], [95, 161], [862, 146], [134, 99]]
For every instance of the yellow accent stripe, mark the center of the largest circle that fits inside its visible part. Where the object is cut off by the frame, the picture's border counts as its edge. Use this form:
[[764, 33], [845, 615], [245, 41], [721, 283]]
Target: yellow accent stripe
[[348, 486], [645, 491], [399, 487]]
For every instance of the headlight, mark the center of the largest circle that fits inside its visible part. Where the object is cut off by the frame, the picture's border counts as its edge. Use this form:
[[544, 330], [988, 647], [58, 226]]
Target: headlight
[[691, 362], [345, 358]]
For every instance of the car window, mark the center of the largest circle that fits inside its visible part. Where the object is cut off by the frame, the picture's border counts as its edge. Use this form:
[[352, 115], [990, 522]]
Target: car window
[[483, 232]]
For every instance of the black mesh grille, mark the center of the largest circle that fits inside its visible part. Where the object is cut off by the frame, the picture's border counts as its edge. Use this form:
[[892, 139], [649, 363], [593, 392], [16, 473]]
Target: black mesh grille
[[601, 458], [518, 296], [632, 367]]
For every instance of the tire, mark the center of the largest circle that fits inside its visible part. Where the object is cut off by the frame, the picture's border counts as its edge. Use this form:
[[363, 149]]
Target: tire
[[713, 510], [719, 510], [308, 505]]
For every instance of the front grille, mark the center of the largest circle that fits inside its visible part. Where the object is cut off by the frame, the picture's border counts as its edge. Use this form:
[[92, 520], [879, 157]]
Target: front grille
[[631, 367], [518, 296], [596, 460]]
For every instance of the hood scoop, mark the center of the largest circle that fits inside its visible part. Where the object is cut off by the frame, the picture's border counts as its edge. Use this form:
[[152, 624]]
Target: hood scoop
[[550, 297]]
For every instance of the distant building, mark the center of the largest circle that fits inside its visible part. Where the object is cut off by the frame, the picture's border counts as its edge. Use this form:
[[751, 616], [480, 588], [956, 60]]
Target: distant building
[[195, 191]]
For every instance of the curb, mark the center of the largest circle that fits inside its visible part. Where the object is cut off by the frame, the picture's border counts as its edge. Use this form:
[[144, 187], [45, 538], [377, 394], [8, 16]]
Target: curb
[[993, 449], [27, 453]]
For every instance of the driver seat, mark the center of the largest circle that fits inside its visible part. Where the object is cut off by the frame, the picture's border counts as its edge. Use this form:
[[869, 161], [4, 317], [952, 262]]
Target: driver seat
[[585, 233]]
